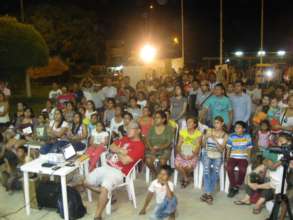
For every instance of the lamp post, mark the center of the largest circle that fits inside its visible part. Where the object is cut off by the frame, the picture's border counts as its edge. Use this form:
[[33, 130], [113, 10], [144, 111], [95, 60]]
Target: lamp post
[[261, 29], [221, 32], [21, 11], [182, 33]]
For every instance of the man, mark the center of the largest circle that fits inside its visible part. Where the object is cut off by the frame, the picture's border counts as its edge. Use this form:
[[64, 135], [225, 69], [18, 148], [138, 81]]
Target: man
[[218, 105], [125, 153], [97, 96], [255, 94], [241, 104], [55, 92], [109, 90], [66, 96]]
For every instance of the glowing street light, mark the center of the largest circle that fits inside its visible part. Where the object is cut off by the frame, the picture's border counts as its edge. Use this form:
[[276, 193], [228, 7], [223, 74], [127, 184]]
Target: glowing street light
[[261, 53], [148, 53], [281, 53], [269, 74], [176, 40], [238, 53]]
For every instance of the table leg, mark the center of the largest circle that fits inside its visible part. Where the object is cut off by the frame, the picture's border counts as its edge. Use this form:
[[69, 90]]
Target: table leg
[[26, 193], [64, 197], [86, 172]]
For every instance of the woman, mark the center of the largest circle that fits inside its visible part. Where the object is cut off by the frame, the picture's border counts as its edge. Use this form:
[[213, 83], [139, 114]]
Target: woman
[[117, 121], [122, 130], [68, 112], [90, 109], [27, 124], [78, 133], [50, 109], [146, 121], [109, 113], [158, 142], [4, 112], [187, 150], [286, 119], [57, 130], [214, 142], [178, 104], [20, 107]]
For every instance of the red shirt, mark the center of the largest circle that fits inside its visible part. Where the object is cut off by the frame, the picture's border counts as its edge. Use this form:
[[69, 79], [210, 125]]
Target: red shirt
[[135, 152], [61, 99]]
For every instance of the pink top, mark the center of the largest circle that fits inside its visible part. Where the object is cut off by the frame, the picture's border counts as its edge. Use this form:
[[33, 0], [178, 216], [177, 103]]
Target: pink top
[[263, 139], [145, 126]]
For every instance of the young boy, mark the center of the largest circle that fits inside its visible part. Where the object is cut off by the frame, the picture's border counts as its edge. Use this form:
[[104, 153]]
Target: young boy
[[239, 144], [162, 188]]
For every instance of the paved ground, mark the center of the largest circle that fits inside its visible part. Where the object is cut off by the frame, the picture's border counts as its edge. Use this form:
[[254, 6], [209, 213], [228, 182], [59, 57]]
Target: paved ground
[[190, 207]]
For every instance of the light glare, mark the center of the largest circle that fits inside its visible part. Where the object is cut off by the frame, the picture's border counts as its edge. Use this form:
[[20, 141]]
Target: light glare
[[148, 53]]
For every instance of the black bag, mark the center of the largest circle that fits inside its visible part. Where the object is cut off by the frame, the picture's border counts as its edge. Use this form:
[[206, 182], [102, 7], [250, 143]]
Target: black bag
[[47, 194], [76, 208]]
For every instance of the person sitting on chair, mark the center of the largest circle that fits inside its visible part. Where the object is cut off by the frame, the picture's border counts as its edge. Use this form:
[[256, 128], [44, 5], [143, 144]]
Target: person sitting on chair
[[125, 152]]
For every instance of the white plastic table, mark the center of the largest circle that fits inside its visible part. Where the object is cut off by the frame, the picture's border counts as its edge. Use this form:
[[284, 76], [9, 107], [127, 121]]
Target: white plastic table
[[35, 166]]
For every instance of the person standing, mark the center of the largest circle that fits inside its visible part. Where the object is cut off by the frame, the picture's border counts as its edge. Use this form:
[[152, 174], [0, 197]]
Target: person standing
[[241, 104], [109, 90], [218, 105]]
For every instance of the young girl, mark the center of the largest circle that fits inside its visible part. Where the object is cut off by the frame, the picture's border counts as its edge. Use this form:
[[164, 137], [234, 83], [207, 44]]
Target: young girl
[[141, 99], [274, 110], [97, 144], [263, 135], [188, 149], [134, 108]]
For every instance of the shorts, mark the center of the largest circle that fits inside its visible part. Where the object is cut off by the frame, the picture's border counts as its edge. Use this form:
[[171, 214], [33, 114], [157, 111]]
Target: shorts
[[105, 176], [180, 162]]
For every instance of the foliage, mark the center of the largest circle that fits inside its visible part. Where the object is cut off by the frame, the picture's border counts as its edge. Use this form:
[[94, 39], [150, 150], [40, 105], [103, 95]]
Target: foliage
[[21, 46], [71, 32], [55, 67]]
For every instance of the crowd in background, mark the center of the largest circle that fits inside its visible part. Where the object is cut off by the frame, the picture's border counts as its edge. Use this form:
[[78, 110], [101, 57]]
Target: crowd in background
[[176, 120]]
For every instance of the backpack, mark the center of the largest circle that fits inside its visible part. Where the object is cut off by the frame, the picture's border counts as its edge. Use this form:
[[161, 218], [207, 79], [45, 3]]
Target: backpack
[[47, 194], [76, 208]]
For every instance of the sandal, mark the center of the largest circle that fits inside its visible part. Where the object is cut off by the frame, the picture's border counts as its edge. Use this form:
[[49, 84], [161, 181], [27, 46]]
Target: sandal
[[239, 202], [209, 200], [204, 197], [256, 211]]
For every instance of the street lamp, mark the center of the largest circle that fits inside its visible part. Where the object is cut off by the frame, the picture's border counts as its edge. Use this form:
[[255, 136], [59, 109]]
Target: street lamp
[[238, 53], [148, 53], [176, 40], [281, 53], [261, 53]]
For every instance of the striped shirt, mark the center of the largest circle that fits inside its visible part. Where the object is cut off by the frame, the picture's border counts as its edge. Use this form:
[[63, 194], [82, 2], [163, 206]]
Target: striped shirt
[[239, 145]]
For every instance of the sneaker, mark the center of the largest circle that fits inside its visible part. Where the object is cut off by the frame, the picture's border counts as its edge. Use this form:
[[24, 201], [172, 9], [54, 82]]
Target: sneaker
[[233, 192]]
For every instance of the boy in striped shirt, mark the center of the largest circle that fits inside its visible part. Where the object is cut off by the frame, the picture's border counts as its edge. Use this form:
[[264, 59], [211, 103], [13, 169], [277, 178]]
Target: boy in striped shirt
[[239, 144]]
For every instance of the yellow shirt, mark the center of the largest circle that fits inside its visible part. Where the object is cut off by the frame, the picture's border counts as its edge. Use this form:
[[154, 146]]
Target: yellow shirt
[[190, 141]]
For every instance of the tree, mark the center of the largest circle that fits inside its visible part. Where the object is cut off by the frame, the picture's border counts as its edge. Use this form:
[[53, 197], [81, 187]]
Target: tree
[[74, 34], [21, 47]]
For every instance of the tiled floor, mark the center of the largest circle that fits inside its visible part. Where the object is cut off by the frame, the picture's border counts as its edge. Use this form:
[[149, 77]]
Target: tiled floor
[[189, 207]]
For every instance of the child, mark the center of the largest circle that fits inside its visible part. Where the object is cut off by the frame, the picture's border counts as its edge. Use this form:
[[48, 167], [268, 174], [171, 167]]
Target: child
[[134, 108], [93, 122], [238, 146], [97, 144], [163, 189], [274, 110], [263, 135]]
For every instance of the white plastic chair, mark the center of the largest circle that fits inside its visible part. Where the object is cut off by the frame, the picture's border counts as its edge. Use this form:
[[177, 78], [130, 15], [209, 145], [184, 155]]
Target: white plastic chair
[[195, 177], [128, 183]]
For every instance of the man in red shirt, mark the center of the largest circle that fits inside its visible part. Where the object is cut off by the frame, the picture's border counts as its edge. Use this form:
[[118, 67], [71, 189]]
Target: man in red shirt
[[125, 152], [66, 96]]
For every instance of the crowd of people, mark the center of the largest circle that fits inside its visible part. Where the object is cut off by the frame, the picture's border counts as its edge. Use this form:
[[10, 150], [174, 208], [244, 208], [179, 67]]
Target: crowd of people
[[177, 120]]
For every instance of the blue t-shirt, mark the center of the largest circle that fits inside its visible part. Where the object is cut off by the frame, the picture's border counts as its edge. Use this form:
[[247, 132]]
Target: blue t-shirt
[[239, 145], [219, 106]]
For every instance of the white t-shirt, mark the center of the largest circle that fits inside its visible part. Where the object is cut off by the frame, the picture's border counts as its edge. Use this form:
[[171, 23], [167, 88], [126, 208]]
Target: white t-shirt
[[99, 138], [109, 92], [54, 126], [114, 125], [142, 103], [159, 190]]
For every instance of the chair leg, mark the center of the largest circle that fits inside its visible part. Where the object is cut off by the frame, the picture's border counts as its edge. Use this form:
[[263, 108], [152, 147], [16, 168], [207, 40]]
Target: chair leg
[[175, 177], [200, 174], [147, 174], [132, 192], [129, 192], [195, 175], [222, 178], [108, 206], [227, 183]]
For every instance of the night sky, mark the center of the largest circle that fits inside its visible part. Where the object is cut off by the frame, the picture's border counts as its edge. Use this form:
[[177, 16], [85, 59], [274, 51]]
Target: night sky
[[130, 20]]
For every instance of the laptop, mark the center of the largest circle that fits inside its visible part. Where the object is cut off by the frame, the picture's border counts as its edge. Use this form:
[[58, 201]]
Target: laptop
[[69, 152]]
